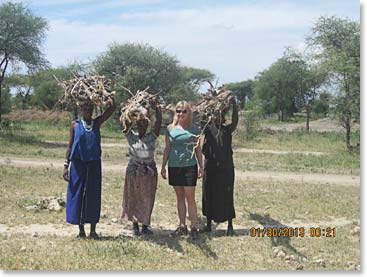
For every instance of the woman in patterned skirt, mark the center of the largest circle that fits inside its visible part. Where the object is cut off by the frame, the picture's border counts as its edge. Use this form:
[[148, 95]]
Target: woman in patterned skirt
[[141, 175]]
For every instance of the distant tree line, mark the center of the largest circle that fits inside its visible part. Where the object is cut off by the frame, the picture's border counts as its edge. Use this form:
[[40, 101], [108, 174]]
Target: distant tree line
[[323, 79]]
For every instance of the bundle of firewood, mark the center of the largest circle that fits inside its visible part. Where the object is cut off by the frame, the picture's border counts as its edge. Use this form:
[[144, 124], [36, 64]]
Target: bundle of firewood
[[82, 90], [142, 105], [214, 104]]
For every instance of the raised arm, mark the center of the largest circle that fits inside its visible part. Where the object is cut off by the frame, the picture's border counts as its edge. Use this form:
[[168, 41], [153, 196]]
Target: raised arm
[[99, 120], [234, 122], [158, 122]]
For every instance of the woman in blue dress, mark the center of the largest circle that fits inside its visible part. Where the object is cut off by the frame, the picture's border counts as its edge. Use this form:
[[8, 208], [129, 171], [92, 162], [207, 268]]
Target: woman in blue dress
[[83, 200], [184, 157]]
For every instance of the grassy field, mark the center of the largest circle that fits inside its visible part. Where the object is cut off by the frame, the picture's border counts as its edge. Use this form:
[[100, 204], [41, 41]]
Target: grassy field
[[258, 203]]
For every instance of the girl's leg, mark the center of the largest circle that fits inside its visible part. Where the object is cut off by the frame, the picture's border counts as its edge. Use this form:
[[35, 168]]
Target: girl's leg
[[181, 206], [191, 205]]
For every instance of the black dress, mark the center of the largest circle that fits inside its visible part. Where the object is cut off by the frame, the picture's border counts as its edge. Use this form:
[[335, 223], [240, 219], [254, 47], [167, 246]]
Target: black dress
[[218, 179]]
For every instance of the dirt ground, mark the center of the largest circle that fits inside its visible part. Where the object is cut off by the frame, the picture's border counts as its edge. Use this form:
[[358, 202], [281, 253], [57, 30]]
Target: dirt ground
[[319, 125], [338, 179]]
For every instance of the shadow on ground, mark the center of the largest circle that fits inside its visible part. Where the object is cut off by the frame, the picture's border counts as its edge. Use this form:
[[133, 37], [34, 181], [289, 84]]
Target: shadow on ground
[[284, 241]]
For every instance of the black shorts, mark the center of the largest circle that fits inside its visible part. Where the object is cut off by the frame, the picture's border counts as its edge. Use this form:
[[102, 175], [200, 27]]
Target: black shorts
[[183, 176]]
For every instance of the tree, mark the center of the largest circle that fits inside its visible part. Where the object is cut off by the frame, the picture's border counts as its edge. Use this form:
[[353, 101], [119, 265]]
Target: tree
[[6, 100], [322, 103], [46, 91], [243, 90], [137, 66], [21, 35], [309, 77], [23, 89], [337, 46], [277, 88], [188, 84]]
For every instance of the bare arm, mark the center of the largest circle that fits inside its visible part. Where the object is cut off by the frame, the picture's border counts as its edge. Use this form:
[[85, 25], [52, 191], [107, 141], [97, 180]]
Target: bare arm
[[234, 122], [68, 149], [165, 157], [158, 122], [106, 115], [199, 157]]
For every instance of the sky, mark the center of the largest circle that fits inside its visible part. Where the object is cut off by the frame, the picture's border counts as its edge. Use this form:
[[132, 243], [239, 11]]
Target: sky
[[235, 40]]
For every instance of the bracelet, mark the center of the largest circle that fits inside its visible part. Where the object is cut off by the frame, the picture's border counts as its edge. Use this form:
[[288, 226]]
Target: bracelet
[[66, 163]]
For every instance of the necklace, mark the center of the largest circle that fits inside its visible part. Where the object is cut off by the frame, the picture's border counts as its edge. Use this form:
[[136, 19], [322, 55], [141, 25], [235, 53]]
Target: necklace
[[87, 127]]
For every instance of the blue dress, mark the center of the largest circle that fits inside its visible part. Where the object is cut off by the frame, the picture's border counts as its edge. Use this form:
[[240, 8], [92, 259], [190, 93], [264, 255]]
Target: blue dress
[[83, 199]]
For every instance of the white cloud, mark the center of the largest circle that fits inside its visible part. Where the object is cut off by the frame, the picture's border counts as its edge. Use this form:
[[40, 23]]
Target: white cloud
[[235, 42], [238, 17]]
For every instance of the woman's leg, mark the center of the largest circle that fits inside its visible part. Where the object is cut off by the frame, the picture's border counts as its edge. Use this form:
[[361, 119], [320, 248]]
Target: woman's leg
[[81, 231], [93, 234], [181, 206], [136, 230], [191, 205], [230, 231], [208, 227]]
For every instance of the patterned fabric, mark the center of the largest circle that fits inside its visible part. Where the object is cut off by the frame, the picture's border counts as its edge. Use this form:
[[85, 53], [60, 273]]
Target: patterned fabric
[[141, 178], [140, 169], [138, 198], [141, 150], [182, 142], [87, 144]]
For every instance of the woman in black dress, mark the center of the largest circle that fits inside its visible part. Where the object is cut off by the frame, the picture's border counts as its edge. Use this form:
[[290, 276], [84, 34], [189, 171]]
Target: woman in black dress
[[218, 179]]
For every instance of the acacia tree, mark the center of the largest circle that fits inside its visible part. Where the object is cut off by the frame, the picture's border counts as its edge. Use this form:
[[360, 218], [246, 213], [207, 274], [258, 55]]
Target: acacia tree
[[137, 66], [309, 77], [277, 88], [337, 46], [21, 36], [243, 90], [23, 89]]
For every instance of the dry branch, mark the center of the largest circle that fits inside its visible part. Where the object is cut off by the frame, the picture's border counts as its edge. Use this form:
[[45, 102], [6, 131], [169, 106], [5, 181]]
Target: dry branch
[[82, 90], [214, 104], [142, 105]]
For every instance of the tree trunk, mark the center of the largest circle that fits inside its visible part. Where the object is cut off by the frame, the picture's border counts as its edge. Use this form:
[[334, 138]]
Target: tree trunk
[[308, 113], [6, 61], [1, 103], [347, 136]]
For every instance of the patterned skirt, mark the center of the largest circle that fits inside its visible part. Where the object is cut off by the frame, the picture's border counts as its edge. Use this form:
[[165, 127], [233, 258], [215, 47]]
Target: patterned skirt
[[139, 196]]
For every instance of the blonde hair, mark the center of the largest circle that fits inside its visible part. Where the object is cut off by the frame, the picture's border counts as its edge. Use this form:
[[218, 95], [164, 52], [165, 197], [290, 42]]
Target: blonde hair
[[186, 106]]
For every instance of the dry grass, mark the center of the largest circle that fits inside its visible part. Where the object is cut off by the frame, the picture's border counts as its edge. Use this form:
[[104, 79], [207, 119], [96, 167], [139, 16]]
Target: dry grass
[[286, 203], [295, 205]]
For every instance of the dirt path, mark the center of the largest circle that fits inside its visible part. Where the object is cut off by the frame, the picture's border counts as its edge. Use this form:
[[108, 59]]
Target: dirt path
[[103, 144], [319, 125], [124, 229], [242, 149], [261, 176], [278, 152]]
